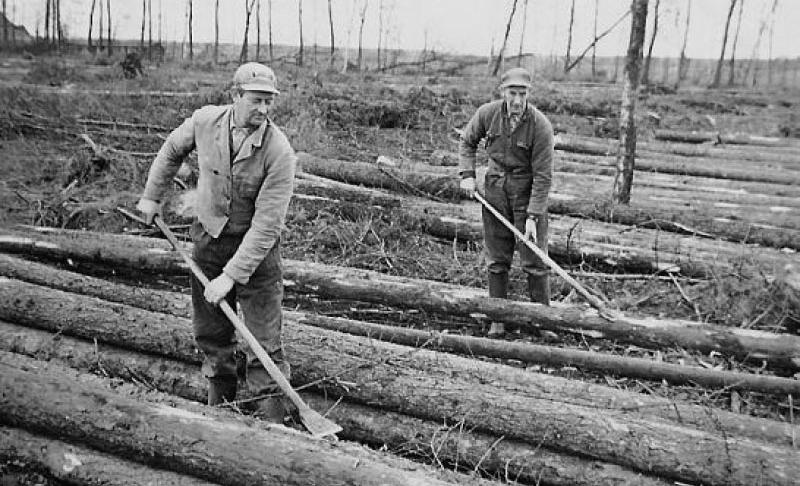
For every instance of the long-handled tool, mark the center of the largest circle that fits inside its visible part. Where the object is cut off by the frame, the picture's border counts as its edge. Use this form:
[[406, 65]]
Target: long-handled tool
[[593, 300], [313, 421]]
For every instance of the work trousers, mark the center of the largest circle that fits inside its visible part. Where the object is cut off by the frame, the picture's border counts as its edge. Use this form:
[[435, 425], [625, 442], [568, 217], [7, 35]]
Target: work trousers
[[510, 193], [260, 300]]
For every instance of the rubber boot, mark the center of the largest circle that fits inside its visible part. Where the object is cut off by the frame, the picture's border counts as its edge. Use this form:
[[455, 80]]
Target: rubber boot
[[539, 289], [498, 288], [221, 390]]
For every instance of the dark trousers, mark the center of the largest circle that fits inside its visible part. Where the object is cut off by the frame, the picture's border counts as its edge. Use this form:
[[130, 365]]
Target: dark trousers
[[260, 300], [509, 194]]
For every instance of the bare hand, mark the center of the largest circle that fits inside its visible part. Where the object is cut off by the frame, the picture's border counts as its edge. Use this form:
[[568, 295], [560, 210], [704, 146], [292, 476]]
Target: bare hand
[[217, 289], [468, 186], [149, 209], [530, 229]]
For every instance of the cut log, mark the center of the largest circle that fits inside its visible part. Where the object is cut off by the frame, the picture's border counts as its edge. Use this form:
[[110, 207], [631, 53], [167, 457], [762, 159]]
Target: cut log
[[212, 445], [433, 441], [178, 304], [525, 406], [586, 197], [730, 138], [148, 254], [72, 464]]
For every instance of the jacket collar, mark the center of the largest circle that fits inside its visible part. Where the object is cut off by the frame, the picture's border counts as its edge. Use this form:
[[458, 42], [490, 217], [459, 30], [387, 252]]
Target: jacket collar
[[253, 141]]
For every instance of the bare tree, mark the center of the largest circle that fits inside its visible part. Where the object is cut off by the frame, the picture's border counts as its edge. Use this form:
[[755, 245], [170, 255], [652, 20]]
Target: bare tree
[[683, 61], [732, 61], [258, 30], [623, 181], [109, 38], [522, 34], [569, 35], [499, 59], [47, 20], [269, 28], [769, 52], [144, 19], [595, 41], [91, 23], [300, 21], [248, 10], [753, 62], [330, 24], [346, 57], [149, 29], [646, 70], [594, 45], [380, 30], [191, 31], [159, 24], [5, 25], [718, 71], [363, 16], [216, 31], [99, 25]]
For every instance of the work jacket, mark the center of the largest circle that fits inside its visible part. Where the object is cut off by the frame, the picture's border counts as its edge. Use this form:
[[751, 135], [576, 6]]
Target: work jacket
[[248, 196], [528, 149]]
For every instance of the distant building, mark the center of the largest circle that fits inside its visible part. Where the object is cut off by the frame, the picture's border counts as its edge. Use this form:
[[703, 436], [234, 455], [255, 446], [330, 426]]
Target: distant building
[[12, 34]]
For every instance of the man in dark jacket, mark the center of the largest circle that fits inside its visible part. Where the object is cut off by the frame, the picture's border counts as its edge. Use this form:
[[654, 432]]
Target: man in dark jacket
[[246, 180], [519, 145]]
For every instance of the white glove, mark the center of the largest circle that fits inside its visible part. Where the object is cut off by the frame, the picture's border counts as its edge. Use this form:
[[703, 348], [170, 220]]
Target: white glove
[[530, 229], [217, 289], [149, 209], [468, 186]]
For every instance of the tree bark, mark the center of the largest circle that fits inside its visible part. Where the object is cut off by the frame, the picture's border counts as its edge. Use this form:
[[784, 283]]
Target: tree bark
[[363, 17], [683, 62], [627, 134], [258, 30], [718, 70], [569, 36], [47, 20], [269, 28], [648, 59], [178, 304], [74, 464], [149, 30], [390, 375], [213, 445], [449, 443], [144, 21], [732, 60], [109, 38], [502, 51], [191, 31]]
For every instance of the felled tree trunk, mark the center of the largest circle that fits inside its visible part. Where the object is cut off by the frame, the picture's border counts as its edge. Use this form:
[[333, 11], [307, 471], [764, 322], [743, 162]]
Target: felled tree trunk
[[731, 138], [211, 445], [450, 444], [519, 405], [73, 464], [144, 254]]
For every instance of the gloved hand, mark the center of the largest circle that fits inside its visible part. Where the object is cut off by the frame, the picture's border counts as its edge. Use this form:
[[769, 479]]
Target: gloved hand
[[468, 186], [530, 229], [149, 209], [217, 289]]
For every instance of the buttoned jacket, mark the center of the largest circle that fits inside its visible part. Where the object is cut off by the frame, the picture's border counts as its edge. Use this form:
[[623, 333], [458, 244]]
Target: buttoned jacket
[[247, 196]]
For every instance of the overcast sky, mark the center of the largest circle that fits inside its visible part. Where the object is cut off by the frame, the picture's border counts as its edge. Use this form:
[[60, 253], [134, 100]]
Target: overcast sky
[[459, 26]]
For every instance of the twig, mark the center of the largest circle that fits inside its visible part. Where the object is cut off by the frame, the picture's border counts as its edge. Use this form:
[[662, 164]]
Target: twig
[[687, 299], [409, 187], [115, 124]]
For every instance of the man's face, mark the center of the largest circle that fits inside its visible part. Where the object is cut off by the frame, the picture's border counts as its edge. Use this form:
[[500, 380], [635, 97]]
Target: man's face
[[252, 107], [516, 98]]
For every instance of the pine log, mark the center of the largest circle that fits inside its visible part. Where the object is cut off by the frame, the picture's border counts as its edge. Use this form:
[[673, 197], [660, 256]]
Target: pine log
[[730, 138], [178, 304], [526, 406], [433, 441], [586, 197], [74, 464], [216, 446], [320, 186], [148, 254]]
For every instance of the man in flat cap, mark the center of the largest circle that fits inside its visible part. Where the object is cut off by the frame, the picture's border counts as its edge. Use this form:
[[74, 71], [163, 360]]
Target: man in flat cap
[[519, 145], [246, 174]]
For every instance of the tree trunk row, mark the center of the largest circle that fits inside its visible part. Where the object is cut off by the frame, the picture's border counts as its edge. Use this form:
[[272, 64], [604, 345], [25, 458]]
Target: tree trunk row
[[521, 405], [213, 445], [179, 304], [432, 441], [145, 254]]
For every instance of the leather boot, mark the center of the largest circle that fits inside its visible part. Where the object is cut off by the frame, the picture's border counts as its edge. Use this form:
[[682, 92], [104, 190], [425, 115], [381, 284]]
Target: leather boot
[[221, 390], [498, 287], [539, 288]]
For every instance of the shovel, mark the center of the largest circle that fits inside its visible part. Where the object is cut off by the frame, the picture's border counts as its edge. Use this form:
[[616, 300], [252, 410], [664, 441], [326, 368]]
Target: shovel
[[593, 300], [315, 423]]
